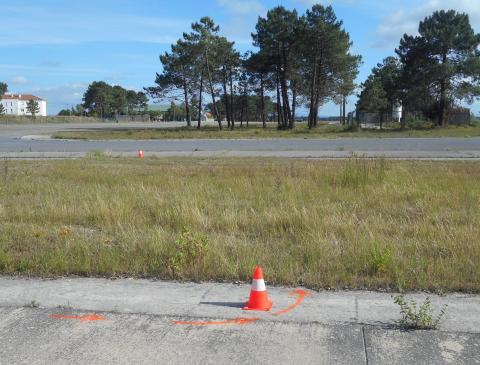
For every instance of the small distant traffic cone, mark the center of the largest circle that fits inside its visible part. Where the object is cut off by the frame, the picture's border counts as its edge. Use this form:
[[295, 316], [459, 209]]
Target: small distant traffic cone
[[140, 154], [258, 295]]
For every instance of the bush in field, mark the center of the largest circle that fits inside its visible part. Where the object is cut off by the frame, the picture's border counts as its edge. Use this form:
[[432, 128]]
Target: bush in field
[[419, 124], [190, 252], [380, 259]]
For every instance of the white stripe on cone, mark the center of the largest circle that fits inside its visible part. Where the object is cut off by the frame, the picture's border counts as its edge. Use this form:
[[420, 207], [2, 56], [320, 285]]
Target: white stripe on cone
[[258, 285]]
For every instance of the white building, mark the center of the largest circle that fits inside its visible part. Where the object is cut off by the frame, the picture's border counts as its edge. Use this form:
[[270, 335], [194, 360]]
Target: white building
[[397, 111], [16, 104]]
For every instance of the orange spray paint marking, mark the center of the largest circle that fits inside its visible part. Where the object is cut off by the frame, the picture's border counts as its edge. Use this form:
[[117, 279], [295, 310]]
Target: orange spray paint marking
[[300, 294], [239, 321], [85, 318]]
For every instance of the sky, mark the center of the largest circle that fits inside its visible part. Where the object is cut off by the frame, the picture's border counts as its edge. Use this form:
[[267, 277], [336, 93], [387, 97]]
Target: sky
[[55, 48]]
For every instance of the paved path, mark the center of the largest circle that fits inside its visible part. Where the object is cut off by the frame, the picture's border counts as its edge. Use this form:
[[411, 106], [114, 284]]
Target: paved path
[[16, 143], [139, 324]]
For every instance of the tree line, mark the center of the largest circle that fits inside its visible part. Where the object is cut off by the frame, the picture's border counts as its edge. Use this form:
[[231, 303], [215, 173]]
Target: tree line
[[300, 60], [103, 100], [431, 73]]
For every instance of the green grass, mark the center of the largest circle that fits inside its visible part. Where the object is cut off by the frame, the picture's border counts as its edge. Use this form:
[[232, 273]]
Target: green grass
[[322, 224], [256, 131]]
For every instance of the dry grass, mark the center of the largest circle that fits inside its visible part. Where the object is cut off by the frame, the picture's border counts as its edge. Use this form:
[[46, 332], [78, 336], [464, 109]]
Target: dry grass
[[322, 224], [256, 131]]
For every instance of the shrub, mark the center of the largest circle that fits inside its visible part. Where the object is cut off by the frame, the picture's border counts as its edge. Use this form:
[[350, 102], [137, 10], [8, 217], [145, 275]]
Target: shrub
[[380, 259], [351, 127], [190, 252], [413, 122], [418, 317]]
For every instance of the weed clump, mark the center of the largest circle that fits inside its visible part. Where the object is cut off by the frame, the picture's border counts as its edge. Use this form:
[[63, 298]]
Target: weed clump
[[380, 259], [418, 317], [190, 252]]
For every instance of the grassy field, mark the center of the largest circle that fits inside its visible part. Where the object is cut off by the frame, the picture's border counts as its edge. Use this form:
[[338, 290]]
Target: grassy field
[[323, 224], [256, 131]]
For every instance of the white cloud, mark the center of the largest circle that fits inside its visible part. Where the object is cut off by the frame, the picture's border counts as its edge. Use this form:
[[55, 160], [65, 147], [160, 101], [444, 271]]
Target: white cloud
[[61, 27], [240, 7], [61, 97], [19, 80], [404, 21]]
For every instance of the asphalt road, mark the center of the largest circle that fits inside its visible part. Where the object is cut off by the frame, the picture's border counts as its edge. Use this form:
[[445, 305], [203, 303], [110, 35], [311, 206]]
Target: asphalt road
[[95, 321], [26, 141]]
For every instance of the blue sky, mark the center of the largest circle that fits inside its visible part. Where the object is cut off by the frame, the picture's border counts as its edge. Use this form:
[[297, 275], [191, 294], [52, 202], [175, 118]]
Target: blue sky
[[55, 48]]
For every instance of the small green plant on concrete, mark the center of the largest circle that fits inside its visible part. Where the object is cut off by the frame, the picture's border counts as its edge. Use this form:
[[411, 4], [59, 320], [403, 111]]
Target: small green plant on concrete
[[190, 252], [34, 304], [418, 317]]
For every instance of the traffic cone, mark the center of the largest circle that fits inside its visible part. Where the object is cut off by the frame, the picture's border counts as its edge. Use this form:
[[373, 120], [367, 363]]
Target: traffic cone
[[140, 154], [258, 295]]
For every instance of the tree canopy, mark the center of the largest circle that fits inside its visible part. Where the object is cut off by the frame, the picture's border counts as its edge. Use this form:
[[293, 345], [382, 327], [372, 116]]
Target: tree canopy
[[104, 100], [299, 60], [33, 107], [3, 88], [433, 72]]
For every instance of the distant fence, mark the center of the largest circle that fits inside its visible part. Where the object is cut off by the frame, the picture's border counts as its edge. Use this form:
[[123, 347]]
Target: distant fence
[[133, 118], [372, 118], [457, 116]]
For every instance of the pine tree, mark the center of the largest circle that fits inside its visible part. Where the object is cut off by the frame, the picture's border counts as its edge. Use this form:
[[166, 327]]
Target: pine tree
[[443, 61], [33, 107]]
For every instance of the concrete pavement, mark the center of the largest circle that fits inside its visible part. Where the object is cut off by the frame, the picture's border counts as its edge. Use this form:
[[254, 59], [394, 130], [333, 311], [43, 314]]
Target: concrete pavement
[[23, 141], [140, 315]]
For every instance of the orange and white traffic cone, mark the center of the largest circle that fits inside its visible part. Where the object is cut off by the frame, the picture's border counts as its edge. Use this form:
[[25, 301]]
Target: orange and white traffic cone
[[258, 295], [140, 153]]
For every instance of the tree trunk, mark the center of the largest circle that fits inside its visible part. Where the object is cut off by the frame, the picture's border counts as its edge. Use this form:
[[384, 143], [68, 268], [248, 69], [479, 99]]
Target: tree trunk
[[245, 103], [262, 96], [242, 114], [212, 91], [232, 113], [443, 97], [286, 104], [226, 102], [200, 101], [279, 114], [312, 94], [317, 100], [443, 104], [284, 88], [294, 104], [187, 104]]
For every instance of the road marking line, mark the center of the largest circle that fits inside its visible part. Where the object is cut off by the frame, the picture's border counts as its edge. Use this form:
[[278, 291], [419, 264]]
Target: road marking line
[[84, 318], [239, 321], [300, 294]]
